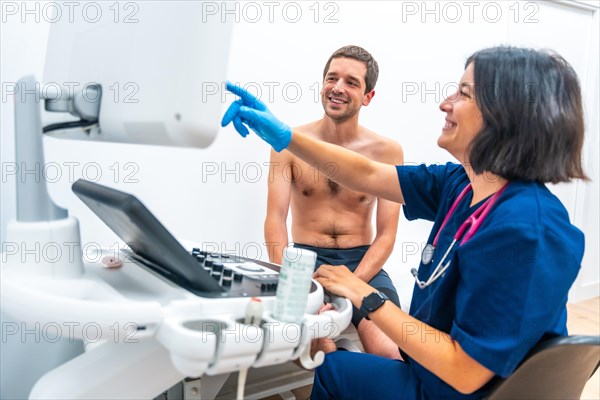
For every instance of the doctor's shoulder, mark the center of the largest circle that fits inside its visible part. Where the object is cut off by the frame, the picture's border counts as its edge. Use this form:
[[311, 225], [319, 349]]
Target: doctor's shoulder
[[533, 204]]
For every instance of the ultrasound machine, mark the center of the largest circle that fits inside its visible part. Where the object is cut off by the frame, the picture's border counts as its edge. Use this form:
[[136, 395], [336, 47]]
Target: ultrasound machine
[[162, 313]]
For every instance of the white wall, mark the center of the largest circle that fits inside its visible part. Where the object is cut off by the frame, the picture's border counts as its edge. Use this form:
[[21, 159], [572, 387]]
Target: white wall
[[420, 46]]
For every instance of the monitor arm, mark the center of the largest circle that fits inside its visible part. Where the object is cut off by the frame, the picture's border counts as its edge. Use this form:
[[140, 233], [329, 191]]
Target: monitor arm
[[40, 222], [33, 202]]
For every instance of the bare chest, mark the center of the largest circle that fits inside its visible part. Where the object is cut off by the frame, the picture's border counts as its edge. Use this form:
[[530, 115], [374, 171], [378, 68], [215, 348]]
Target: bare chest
[[309, 184]]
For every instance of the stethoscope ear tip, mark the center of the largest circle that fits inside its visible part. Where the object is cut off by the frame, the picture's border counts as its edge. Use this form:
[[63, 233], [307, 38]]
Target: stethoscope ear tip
[[414, 272]]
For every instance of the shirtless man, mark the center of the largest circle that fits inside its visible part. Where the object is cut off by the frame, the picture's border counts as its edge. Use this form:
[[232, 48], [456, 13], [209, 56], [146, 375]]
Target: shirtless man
[[327, 218]]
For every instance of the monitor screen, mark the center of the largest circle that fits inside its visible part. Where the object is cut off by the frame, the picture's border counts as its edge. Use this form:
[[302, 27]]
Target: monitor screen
[[146, 236], [159, 64]]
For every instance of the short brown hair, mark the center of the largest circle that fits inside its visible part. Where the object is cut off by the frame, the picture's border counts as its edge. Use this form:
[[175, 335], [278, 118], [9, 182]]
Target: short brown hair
[[359, 54]]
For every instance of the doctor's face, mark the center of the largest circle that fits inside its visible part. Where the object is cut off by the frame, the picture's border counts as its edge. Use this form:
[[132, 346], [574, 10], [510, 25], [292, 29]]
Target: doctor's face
[[463, 118]]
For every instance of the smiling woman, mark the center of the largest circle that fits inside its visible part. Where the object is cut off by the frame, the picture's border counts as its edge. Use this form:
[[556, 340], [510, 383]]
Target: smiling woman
[[463, 118], [476, 321]]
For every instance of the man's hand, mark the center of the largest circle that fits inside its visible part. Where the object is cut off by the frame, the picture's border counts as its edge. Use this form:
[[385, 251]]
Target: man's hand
[[254, 113], [326, 307], [340, 281]]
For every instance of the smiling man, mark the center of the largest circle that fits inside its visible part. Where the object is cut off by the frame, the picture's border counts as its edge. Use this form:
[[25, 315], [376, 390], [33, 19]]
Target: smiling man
[[327, 218]]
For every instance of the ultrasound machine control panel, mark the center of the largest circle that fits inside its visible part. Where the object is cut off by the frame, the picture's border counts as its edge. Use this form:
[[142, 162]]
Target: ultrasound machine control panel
[[236, 274]]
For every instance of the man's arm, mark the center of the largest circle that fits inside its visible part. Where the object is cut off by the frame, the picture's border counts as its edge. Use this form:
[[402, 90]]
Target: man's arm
[[383, 244], [387, 216], [278, 204]]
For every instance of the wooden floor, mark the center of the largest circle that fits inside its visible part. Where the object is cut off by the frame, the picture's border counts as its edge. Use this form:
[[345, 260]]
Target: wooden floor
[[583, 319]]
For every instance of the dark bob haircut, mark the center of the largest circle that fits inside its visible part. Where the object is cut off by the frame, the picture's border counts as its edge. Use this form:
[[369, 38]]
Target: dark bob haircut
[[359, 54], [532, 112]]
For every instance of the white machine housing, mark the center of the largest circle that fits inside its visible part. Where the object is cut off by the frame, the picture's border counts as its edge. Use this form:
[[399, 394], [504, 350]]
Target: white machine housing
[[159, 85]]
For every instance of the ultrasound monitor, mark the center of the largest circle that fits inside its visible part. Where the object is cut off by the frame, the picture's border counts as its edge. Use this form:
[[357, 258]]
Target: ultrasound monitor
[[160, 65]]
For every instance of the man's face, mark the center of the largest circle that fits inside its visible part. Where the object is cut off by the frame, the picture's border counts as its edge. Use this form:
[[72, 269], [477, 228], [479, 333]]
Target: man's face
[[344, 87]]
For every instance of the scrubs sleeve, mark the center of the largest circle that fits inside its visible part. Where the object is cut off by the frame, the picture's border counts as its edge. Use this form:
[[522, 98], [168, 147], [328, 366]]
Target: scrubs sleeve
[[424, 186], [515, 279]]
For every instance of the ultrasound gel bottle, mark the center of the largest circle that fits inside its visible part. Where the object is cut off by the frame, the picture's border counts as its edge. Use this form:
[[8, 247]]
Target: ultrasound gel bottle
[[294, 284]]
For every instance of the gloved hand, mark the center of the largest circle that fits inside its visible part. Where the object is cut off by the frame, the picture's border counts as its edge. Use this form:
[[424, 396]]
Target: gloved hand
[[252, 112]]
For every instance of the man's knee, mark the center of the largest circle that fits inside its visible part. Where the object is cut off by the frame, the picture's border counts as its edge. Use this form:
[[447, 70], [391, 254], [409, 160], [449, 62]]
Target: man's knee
[[368, 330], [376, 342]]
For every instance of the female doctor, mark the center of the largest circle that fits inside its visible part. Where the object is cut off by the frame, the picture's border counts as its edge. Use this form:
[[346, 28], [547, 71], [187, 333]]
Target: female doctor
[[502, 254]]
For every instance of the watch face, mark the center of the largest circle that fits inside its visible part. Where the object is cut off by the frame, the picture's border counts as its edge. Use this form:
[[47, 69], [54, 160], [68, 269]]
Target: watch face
[[374, 301]]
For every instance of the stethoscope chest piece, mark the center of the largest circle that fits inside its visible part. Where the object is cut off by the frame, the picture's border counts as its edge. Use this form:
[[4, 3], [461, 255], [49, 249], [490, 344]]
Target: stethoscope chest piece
[[427, 254], [464, 232]]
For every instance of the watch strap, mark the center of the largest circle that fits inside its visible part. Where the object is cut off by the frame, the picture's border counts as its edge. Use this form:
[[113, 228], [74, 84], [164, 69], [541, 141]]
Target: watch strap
[[372, 302]]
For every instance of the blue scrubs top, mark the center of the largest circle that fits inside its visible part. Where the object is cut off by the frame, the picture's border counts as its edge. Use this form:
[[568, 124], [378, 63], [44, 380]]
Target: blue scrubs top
[[507, 286]]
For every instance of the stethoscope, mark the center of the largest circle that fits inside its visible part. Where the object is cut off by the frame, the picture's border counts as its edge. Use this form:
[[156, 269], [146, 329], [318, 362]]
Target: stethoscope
[[470, 226]]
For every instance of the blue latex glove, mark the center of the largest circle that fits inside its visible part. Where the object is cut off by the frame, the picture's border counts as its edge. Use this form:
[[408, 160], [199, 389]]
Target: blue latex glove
[[254, 113]]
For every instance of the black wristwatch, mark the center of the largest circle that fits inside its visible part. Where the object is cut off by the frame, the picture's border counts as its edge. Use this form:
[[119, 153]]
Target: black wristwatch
[[372, 302]]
